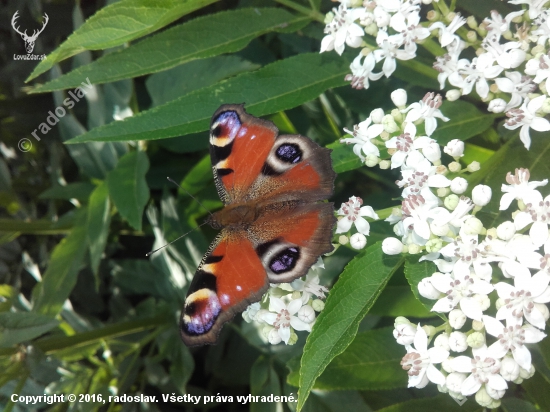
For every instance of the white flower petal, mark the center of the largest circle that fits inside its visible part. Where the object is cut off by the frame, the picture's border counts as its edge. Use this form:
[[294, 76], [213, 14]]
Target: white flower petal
[[497, 382], [434, 375]]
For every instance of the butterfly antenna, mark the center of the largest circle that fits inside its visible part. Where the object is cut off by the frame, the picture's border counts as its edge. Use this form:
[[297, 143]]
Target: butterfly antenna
[[178, 238], [190, 195]]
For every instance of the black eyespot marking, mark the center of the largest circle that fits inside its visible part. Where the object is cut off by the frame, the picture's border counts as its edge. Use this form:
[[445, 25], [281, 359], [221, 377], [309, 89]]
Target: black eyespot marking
[[224, 172], [202, 280], [267, 170], [212, 259], [289, 152], [285, 260], [190, 309]]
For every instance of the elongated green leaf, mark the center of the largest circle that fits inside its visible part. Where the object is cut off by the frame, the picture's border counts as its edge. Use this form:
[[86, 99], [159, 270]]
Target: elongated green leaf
[[206, 36], [465, 121], [117, 24], [23, 326], [305, 77], [60, 277], [349, 301], [199, 176], [370, 362], [128, 188], [343, 158], [99, 218], [170, 84]]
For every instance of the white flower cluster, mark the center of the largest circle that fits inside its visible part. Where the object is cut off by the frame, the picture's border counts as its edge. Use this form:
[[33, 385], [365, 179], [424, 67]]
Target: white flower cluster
[[495, 336], [288, 307], [511, 70]]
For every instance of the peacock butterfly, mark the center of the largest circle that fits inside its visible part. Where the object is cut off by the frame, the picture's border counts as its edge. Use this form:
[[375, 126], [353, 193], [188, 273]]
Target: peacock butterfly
[[273, 227]]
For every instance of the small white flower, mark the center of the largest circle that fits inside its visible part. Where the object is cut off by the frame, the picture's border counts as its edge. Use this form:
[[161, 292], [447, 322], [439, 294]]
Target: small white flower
[[446, 65], [361, 73], [457, 318], [497, 106], [516, 84], [309, 287], [506, 230], [484, 368], [442, 341], [446, 33], [537, 212], [427, 290], [457, 341], [535, 6], [481, 195], [540, 68], [419, 361], [389, 51], [363, 133], [432, 152], [460, 290], [454, 381], [519, 300], [358, 241], [416, 210], [342, 30], [392, 246], [404, 333], [526, 118], [519, 188], [282, 318], [406, 144], [399, 97], [419, 173], [428, 110], [459, 185], [509, 369], [455, 148], [353, 215], [475, 73], [512, 338], [497, 25], [306, 314]]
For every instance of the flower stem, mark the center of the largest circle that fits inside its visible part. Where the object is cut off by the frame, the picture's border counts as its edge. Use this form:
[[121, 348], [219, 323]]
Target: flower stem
[[314, 14]]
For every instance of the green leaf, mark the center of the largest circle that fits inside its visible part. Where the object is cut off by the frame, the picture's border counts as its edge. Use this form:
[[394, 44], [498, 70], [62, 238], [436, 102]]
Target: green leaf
[[416, 271], [358, 287], [137, 276], [79, 190], [203, 37], [538, 390], [17, 327], [381, 369], [99, 218], [60, 277], [264, 382], [399, 301], [171, 84], [514, 405], [465, 121], [198, 177], [117, 24], [262, 91], [343, 158], [128, 188]]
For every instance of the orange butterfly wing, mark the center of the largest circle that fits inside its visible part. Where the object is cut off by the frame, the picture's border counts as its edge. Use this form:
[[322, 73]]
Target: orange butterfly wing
[[272, 228]]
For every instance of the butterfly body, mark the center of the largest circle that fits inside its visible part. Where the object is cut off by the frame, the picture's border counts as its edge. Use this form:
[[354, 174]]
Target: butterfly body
[[272, 226]]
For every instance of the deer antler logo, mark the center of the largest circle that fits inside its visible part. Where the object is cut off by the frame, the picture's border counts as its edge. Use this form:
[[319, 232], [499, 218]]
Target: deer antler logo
[[29, 40]]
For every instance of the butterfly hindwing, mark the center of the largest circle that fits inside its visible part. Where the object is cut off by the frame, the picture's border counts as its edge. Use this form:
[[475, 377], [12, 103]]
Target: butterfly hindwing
[[229, 278]]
